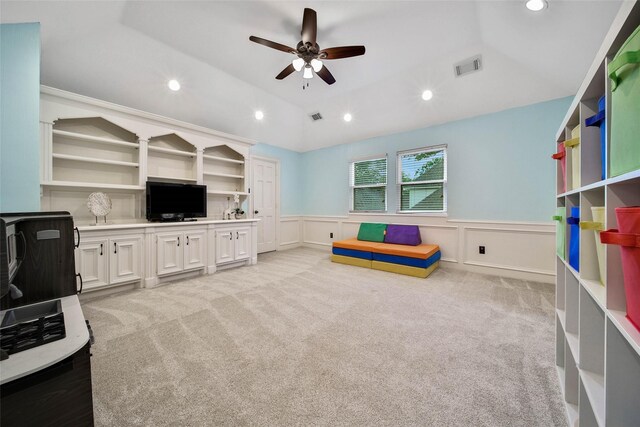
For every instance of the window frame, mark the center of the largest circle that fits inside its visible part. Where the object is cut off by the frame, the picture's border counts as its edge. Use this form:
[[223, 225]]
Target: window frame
[[352, 185], [399, 183]]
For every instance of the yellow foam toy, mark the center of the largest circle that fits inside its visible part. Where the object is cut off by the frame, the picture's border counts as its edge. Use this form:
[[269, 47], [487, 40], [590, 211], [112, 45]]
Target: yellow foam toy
[[359, 262], [404, 269]]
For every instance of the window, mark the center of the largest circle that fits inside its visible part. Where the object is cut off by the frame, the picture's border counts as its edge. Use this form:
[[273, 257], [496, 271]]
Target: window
[[422, 180], [368, 181]]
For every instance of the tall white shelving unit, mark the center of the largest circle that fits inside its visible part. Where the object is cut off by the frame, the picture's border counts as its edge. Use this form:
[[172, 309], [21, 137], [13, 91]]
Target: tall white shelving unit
[[597, 347]]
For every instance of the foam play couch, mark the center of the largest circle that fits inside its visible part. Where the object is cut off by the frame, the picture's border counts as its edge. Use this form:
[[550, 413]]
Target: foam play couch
[[395, 248]]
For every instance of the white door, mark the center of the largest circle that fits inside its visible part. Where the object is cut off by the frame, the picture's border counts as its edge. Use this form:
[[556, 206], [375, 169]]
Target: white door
[[224, 246], [91, 262], [242, 243], [194, 249], [124, 260], [264, 193], [170, 256]]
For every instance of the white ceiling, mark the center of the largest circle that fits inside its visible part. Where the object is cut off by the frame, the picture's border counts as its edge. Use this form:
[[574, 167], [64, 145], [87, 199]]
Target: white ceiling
[[125, 52]]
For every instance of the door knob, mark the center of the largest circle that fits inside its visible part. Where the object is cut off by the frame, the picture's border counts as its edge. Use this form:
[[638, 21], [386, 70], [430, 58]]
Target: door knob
[[255, 212]]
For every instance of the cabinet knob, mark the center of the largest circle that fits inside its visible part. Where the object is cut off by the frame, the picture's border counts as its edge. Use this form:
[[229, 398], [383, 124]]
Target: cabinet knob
[[187, 240], [115, 248], [178, 240], [256, 212], [101, 249]]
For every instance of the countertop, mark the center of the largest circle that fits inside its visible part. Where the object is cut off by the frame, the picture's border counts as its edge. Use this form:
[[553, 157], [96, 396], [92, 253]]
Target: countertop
[[147, 224], [29, 361]]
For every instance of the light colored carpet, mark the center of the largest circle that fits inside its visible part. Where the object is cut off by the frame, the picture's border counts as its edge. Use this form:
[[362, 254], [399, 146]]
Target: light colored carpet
[[298, 340]]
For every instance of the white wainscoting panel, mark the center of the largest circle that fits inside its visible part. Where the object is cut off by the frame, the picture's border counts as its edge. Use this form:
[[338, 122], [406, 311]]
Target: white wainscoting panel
[[516, 249], [290, 235]]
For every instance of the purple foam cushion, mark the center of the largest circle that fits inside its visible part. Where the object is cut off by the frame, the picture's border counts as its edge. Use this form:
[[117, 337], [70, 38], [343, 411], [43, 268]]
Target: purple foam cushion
[[403, 235]]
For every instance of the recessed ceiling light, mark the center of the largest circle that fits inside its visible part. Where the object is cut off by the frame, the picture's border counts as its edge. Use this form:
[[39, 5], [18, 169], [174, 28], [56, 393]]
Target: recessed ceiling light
[[174, 85], [259, 115], [347, 117], [427, 95], [536, 5]]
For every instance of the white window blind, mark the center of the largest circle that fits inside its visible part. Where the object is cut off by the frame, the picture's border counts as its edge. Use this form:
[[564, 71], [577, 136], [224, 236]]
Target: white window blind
[[368, 182], [422, 180]]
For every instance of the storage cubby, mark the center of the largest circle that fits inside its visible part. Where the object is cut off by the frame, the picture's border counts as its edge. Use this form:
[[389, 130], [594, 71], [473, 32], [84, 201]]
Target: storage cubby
[[171, 158], [571, 201], [594, 337], [573, 179], [619, 194], [585, 412], [571, 383], [572, 296], [590, 149], [622, 380], [591, 249], [561, 272]]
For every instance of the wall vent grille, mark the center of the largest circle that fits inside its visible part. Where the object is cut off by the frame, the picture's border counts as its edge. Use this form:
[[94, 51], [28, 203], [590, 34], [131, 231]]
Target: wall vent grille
[[468, 66], [316, 116]]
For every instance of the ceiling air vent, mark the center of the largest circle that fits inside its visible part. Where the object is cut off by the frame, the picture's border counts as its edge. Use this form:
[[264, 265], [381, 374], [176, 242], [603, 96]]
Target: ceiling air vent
[[316, 116], [468, 66]]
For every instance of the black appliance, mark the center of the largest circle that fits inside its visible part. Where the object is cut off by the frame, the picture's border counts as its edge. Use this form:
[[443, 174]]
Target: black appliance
[[36, 257], [175, 202]]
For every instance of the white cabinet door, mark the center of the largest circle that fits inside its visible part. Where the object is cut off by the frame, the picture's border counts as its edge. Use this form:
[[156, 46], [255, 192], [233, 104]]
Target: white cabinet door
[[125, 263], [194, 250], [170, 256], [242, 238], [225, 246], [91, 262]]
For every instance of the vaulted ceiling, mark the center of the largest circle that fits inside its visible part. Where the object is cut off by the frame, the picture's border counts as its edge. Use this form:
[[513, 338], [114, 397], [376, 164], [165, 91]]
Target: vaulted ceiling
[[125, 52]]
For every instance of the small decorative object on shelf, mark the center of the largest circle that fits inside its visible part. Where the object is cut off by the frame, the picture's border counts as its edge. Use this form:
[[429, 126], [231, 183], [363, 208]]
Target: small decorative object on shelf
[[99, 204], [238, 212]]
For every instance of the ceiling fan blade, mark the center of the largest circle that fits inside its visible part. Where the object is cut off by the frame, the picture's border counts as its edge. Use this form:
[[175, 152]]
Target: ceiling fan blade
[[284, 73], [325, 75], [309, 26], [271, 44], [341, 52]]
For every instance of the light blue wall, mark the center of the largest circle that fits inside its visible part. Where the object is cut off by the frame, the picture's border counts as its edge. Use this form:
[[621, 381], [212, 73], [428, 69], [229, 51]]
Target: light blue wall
[[499, 165], [290, 176], [19, 117]]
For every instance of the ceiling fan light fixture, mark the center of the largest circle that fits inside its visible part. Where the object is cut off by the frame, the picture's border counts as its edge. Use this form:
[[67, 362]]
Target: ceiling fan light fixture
[[316, 65], [536, 5], [308, 74], [298, 63]]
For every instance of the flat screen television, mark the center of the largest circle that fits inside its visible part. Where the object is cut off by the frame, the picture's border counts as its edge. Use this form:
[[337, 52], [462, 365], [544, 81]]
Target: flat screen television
[[175, 202]]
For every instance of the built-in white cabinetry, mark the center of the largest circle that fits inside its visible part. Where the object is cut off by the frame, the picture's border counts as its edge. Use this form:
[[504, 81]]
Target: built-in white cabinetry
[[107, 261], [180, 251], [233, 245], [147, 254], [597, 346], [89, 145]]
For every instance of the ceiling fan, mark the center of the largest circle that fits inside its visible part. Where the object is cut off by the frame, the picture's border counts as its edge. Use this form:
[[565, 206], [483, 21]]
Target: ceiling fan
[[308, 52]]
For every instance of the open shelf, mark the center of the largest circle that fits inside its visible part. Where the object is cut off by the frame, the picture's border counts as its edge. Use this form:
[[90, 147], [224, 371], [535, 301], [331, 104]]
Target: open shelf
[[172, 151], [171, 178], [94, 160], [223, 175], [90, 185], [222, 159], [628, 331], [227, 193], [91, 138]]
